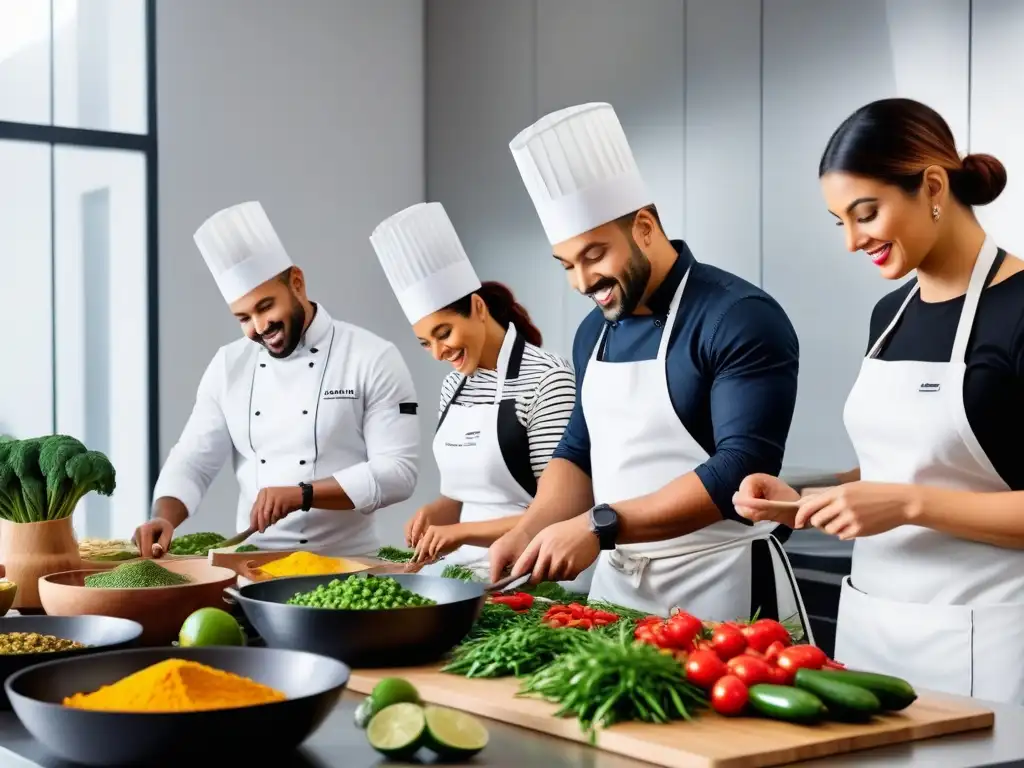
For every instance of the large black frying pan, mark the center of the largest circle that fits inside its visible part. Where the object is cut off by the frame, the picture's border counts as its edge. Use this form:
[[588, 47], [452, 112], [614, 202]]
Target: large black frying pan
[[368, 638], [98, 633], [313, 685]]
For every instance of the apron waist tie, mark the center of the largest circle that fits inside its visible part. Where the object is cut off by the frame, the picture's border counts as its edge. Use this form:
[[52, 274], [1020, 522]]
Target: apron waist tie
[[629, 564]]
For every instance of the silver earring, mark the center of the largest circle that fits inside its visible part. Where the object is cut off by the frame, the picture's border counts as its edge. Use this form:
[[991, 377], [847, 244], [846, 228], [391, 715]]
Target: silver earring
[[935, 213]]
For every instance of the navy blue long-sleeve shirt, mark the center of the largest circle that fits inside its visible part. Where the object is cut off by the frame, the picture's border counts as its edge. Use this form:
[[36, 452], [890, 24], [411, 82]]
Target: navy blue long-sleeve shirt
[[732, 365]]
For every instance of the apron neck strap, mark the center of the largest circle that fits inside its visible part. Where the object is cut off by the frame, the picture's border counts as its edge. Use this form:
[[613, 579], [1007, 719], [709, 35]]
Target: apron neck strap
[[670, 318], [509, 356], [979, 277]]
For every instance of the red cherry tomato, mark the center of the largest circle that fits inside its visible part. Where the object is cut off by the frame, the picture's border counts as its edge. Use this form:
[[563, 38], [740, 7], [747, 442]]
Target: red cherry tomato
[[728, 642], [750, 670], [704, 668], [729, 696], [782, 676], [644, 635], [801, 657], [682, 629], [763, 633], [773, 651]]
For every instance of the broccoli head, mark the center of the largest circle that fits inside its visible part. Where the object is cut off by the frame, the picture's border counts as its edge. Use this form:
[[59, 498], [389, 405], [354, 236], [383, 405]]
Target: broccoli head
[[44, 478]]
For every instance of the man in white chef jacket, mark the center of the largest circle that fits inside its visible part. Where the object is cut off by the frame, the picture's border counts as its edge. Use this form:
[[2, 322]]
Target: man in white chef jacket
[[317, 415], [685, 374]]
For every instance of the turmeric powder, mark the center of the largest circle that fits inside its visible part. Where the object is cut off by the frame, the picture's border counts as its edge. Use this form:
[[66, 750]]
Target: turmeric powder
[[309, 564], [176, 685]]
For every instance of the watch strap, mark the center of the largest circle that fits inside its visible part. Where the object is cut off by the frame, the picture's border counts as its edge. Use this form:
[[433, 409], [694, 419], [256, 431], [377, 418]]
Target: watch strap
[[307, 496]]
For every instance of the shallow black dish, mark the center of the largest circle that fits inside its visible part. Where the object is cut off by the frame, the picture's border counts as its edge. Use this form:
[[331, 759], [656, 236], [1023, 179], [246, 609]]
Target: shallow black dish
[[383, 638], [99, 633], [312, 683]]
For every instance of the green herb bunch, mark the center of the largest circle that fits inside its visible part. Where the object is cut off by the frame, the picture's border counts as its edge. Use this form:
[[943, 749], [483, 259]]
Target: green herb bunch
[[395, 555], [44, 478], [605, 680], [517, 650]]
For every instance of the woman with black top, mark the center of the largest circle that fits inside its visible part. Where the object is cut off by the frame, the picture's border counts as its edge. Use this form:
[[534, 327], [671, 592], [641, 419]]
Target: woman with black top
[[503, 408], [936, 593]]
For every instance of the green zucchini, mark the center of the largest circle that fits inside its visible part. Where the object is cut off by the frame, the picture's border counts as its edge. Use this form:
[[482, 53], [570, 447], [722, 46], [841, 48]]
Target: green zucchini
[[893, 693], [845, 701], [782, 702]]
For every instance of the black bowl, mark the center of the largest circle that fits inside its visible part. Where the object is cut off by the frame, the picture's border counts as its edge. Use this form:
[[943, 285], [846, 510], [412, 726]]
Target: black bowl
[[99, 633], [312, 683], [379, 638]]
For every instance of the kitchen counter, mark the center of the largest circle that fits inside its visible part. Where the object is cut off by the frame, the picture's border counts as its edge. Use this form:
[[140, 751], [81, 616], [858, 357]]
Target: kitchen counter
[[338, 743]]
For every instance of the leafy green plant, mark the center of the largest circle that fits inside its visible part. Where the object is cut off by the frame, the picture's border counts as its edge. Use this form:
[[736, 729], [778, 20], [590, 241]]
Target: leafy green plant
[[44, 478]]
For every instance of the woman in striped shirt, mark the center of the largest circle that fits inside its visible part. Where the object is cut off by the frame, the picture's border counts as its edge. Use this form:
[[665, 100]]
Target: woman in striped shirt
[[503, 408]]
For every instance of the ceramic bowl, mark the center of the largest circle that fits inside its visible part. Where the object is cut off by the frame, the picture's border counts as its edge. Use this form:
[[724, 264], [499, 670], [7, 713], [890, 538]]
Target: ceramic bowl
[[160, 610]]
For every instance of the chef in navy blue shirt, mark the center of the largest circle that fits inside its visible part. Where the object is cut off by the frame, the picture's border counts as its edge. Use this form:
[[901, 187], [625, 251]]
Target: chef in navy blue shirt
[[686, 380]]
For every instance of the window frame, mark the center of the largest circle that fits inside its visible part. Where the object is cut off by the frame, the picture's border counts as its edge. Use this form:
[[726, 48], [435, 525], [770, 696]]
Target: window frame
[[146, 144]]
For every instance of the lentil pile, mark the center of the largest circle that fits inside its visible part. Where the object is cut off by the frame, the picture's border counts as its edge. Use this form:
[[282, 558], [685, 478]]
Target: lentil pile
[[18, 643], [176, 685], [360, 593], [136, 574]]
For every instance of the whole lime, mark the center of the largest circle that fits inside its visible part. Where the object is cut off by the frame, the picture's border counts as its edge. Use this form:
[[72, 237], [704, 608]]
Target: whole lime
[[210, 626], [393, 690]]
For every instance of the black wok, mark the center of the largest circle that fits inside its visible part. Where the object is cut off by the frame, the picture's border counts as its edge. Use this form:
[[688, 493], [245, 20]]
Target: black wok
[[367, 638], [313, 685], [98, 633]]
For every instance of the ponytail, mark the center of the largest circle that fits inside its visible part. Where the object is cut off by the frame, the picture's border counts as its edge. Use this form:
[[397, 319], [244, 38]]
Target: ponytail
[[503, 308]]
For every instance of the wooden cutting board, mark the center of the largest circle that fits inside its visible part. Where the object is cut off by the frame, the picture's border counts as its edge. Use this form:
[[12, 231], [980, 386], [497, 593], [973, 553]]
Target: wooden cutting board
[[709, 741]]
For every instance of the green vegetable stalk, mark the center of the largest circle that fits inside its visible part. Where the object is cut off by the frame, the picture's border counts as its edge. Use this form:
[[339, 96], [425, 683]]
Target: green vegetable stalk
[[44, 478], [606, 680]]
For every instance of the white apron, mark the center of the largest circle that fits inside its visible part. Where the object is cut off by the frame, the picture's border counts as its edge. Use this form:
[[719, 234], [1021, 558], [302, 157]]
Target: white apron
[[942, 612], [638, 445], [473, 455]]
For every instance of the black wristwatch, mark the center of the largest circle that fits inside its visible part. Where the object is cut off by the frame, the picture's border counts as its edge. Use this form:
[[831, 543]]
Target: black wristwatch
[[604, 522], [307, 496]]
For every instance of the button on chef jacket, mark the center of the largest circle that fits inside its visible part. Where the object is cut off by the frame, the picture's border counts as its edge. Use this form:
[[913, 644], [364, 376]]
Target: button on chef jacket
[[732, 365], [341, 405]]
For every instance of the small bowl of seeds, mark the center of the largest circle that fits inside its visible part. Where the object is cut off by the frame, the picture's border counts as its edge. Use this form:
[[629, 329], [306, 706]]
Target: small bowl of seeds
[[8, 591], [27, 640]]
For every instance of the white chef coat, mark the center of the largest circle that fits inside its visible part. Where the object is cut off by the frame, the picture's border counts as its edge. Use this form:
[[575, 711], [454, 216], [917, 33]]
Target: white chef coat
[[341, 405]]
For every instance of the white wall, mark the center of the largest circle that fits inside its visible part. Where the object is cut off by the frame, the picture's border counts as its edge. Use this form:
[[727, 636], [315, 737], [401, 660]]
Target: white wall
[[315, 109], [728, 106]]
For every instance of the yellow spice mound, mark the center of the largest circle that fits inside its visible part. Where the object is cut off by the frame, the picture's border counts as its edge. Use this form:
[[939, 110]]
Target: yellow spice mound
[[307, 564], [176, 685]]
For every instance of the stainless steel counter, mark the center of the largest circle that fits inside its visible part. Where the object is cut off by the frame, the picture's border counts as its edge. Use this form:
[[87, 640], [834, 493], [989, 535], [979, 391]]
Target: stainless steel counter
[[338, 743]]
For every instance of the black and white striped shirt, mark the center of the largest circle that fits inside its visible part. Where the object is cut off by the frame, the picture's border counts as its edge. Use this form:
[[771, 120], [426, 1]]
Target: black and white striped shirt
[[544, 391]]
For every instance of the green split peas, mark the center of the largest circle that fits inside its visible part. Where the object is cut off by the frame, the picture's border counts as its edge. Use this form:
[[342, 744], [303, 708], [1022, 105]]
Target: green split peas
[[360, 593]]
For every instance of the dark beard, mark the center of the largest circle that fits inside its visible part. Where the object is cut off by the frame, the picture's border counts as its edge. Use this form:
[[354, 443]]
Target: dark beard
[[633, 282], [296, 323]]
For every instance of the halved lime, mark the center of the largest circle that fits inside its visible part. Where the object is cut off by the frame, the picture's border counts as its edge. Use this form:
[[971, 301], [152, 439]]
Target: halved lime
[[453, 734], [397, 731], [393, 690]]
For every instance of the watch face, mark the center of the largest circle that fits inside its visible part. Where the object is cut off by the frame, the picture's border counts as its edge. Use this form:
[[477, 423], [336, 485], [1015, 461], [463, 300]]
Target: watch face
[[604, 517]]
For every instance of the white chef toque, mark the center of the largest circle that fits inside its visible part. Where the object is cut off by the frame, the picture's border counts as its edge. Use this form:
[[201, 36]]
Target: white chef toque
[[423, 260], [241, 249], [579, 170]]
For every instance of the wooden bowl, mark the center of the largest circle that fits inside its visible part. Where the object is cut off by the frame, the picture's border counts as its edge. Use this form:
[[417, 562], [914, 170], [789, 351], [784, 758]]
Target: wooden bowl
[[160, 610], [236, 561]]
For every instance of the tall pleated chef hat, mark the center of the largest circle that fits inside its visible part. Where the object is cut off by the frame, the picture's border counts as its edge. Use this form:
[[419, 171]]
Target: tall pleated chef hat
[[241, 249], [423, 260], [579, 170]]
